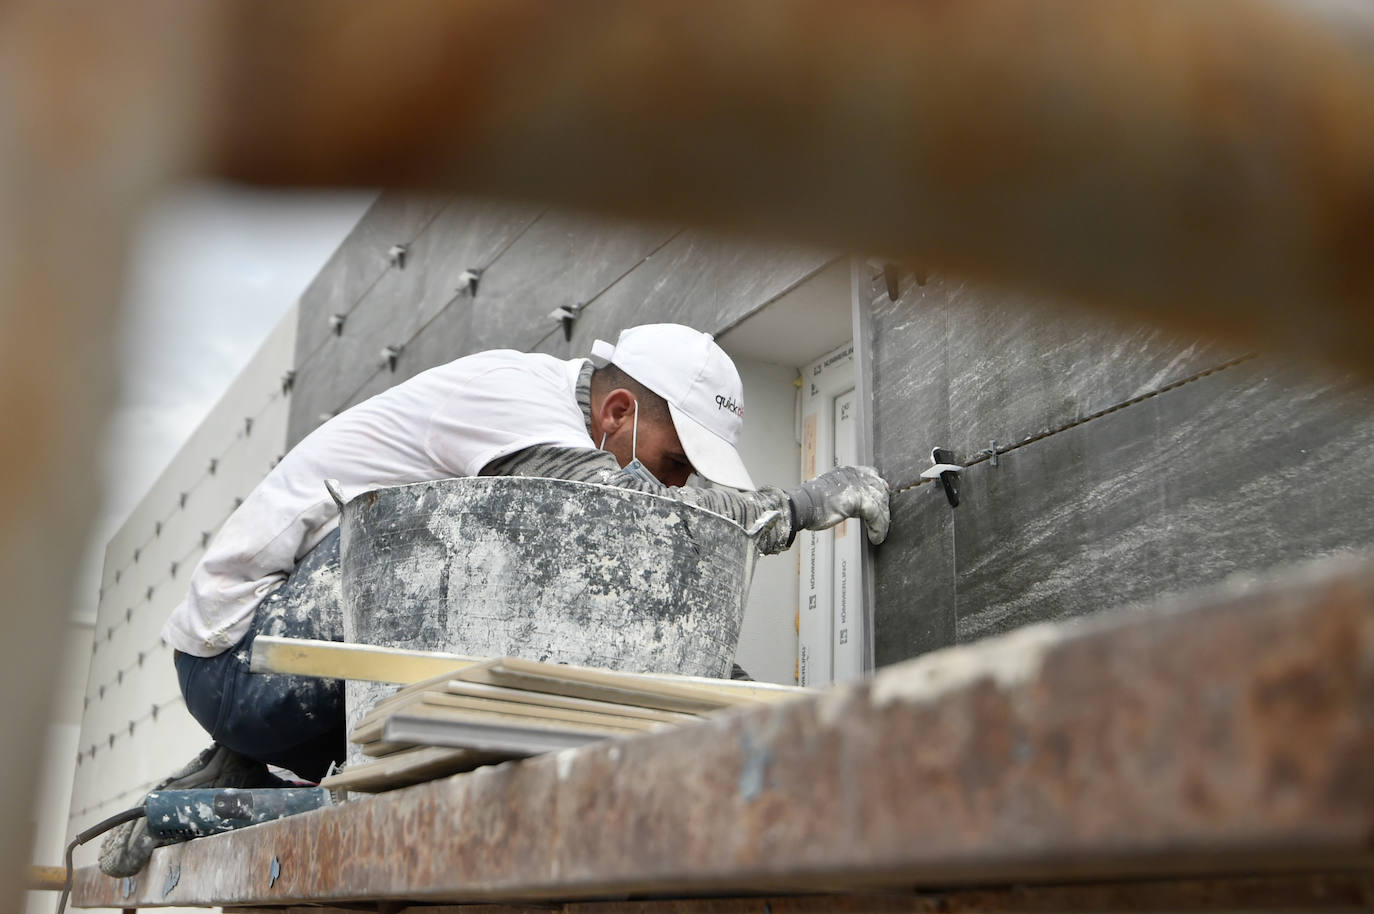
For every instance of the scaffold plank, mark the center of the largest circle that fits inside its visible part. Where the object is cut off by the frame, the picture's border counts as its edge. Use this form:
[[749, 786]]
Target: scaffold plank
[[1224, 734]]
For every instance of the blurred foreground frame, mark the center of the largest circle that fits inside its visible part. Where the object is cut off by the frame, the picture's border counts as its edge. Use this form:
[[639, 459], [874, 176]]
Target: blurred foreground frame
[[1209, 167]]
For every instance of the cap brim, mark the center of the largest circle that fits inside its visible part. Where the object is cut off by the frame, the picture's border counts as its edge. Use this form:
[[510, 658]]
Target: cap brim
[[711, 455]]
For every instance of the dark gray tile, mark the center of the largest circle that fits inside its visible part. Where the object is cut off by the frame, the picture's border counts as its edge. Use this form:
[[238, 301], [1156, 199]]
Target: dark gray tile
[[1009, 367], [326, 383], [441, 341], [401, 303], [1019, 368], [446, 337], [398, 309], [1244, 471], [910, 382], [554, 344], [752, 274], [381, 380], [676, 284], [467, 234], [913, 572], [396, 218], [698, 279], [561, 260]]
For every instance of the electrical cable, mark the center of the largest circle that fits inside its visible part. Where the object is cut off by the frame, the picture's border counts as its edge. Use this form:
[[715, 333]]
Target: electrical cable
[[94, 831]]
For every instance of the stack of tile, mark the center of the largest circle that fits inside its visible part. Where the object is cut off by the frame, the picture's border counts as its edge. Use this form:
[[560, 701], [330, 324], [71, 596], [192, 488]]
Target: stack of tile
[[508, 708]]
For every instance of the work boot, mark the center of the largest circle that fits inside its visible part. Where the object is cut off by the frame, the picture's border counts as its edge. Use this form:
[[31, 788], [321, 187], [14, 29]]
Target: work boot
[[127, 848]]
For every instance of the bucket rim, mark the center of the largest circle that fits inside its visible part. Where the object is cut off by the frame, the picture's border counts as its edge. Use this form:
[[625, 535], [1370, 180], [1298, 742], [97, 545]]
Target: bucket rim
[[504, 480]]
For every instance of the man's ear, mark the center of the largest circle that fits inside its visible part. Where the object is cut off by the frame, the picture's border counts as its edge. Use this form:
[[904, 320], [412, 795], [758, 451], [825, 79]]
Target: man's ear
[[616, 410]]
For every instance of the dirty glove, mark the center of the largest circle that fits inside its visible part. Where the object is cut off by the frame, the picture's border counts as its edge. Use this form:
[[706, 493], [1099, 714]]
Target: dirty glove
[[823, 502]]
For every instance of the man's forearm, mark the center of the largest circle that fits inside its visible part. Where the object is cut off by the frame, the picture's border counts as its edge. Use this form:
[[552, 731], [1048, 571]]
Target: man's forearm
[[768, 507]]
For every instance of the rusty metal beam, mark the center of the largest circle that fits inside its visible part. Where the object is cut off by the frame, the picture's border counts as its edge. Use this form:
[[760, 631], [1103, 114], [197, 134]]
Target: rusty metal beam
[[1331, 892], [1231, 734], [1340, 892], [90, 125], [1205, 165]]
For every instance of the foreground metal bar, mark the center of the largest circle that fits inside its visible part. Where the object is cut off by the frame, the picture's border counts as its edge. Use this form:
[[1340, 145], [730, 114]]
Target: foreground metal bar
[[1229, 735], [47, 878], [1334, 892], [1208, 165]]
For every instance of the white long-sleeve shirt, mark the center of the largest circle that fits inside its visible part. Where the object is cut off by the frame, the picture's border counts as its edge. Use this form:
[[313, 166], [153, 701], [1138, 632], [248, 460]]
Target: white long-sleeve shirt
[[449, 421]]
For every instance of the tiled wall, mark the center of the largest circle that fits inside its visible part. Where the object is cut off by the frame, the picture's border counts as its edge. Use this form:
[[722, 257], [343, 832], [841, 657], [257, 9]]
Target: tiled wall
[[532, 263], [134, 728], [1142, 464]]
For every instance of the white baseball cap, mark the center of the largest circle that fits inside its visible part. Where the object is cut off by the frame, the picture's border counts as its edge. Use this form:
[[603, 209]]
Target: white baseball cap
[[705, 397]]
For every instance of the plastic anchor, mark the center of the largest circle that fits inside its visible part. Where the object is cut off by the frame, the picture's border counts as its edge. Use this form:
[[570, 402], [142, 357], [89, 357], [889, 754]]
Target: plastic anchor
[[947, 471]]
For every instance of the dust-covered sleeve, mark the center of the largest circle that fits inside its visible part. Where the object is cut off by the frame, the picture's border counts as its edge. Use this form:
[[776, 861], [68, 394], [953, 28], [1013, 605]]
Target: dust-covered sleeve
[[767, 510]]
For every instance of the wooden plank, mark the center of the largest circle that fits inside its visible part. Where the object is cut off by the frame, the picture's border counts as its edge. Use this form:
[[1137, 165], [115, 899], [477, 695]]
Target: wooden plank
[[546, 699], [666, 692], [521, 702], [627, 693], [755, 690], [540, 712], [369, 663], [407, 693], [409, 766], [493, 736], [370, 730], [364, 662]]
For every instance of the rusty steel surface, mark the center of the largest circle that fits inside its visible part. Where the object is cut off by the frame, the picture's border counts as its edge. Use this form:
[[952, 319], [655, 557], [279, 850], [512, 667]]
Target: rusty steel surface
[[1206, 165], [1340, 892], [1332, 892], [90, 125], [1231, 734]]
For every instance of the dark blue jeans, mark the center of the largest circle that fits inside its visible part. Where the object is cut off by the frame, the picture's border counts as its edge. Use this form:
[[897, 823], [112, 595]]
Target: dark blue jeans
[[295, 722]]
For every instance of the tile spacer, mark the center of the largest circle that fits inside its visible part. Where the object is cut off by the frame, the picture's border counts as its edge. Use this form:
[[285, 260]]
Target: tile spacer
[[947, 471]]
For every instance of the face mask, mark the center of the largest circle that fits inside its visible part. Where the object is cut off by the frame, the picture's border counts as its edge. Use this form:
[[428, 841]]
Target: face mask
[[635, 468]]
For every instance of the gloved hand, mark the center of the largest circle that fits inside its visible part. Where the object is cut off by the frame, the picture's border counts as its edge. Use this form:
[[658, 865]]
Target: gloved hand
[[823, 502]]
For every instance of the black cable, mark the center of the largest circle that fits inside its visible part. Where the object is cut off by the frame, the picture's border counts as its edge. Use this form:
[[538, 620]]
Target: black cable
[[95, 831]]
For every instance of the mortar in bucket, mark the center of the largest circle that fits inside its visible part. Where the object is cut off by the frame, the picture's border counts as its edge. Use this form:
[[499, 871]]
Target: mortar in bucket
[[544, 569]]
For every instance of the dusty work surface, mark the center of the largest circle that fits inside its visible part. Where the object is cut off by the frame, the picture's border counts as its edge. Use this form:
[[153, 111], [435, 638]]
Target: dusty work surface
[[1230, 736]]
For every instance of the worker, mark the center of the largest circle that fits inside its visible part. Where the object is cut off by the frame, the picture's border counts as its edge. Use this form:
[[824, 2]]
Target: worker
[[665, 403]]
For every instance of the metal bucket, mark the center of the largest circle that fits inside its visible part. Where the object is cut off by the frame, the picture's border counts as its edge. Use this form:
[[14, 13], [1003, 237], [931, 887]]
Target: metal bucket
[[543, 569]]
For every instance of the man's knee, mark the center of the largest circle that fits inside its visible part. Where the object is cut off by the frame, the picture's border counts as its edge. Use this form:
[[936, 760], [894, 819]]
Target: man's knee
[[309, 603]]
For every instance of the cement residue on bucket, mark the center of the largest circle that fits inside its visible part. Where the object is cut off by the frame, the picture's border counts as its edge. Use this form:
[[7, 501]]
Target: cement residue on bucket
[[544, 569]]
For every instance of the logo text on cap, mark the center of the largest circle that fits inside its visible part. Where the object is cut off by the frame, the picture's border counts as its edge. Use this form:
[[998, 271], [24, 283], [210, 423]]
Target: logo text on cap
[[724, 402]]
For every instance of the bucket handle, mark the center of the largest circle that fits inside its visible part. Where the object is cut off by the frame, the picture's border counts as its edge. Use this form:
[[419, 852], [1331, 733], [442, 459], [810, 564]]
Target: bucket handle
[[335, 492], [761, 523]]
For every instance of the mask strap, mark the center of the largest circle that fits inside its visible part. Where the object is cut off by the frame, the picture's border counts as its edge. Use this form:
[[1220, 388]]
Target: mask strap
[[634, 436]]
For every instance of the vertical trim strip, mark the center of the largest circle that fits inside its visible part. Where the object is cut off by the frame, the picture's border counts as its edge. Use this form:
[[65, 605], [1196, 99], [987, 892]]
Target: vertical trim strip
[[862, 306]]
